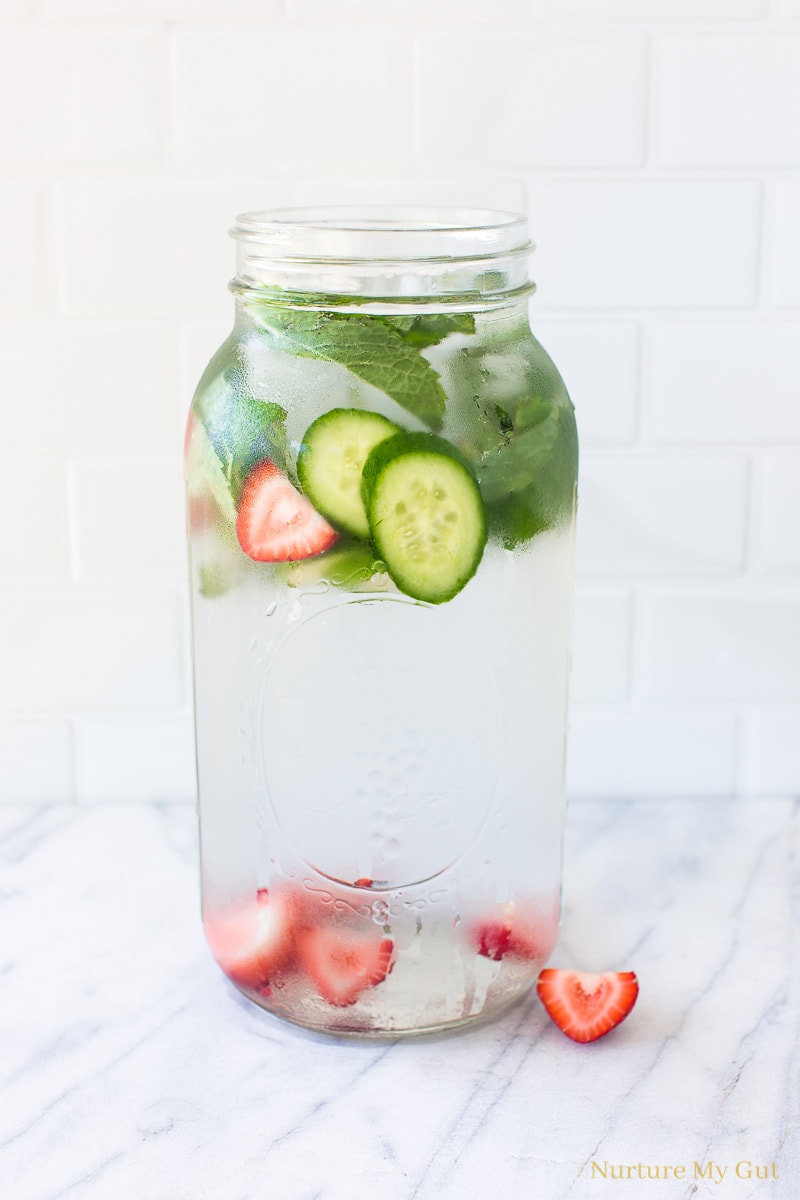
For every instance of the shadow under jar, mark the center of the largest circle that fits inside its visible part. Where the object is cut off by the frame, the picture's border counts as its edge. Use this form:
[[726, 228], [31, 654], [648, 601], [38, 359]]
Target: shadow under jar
[[381, 466]]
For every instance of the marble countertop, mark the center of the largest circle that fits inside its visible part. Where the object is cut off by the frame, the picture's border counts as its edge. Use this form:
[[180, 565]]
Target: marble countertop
[[130, 1068]]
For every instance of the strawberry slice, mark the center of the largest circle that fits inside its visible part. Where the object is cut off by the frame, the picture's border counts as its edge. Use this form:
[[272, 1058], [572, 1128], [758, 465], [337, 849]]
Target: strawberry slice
[[342, 964], [253, 942], [275, 523], [586, 1006], [506, 932]]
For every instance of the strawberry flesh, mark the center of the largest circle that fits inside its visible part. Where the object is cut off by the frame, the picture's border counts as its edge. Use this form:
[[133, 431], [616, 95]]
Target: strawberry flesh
[[505, 932], [275, 523], [342, 964], [587, 1006], [253, 941]]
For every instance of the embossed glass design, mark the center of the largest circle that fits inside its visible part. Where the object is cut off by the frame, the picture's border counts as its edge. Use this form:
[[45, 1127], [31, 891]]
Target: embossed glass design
[[381, 466]]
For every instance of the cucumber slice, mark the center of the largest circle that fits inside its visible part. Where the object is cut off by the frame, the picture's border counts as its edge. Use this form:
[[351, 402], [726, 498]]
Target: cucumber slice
[[331, 459], [425, 513]]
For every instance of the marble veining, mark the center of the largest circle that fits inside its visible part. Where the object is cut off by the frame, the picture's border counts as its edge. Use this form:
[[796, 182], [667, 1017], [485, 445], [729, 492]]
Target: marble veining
[[131, 1070]]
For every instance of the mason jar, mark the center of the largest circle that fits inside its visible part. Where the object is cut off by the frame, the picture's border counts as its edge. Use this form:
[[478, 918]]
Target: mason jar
[[381, 467]]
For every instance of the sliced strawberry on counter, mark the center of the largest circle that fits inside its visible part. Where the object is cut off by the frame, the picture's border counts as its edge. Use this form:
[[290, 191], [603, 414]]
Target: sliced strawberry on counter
[[586, 1006], [275, 523], [254, 941], [505, 931], [342, 963]]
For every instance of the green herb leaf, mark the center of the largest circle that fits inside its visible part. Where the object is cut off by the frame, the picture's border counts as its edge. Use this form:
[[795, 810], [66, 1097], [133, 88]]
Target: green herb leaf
[[243, 431], [517, 458], [516, 424], [212, 472], [528, 482], [369, 347], [428, 329]]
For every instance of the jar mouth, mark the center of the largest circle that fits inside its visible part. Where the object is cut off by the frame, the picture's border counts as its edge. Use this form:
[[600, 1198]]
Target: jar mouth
[[374, 252]]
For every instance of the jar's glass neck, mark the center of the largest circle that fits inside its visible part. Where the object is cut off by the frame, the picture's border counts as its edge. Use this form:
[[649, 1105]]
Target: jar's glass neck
[[458, 258]]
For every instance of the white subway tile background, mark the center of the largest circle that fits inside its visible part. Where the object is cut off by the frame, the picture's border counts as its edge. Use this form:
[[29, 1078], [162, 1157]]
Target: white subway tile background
[[655, 145]]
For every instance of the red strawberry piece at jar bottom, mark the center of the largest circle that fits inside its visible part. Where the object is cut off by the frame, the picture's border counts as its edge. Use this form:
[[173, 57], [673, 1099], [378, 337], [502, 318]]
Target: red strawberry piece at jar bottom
[[343, 963], [505, 931], [254, 941], [275, 523], [586, 1006]]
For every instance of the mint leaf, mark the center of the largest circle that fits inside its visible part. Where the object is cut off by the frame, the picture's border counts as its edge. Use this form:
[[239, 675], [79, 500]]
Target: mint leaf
[[528, 482], [428, 329], [516, 424], [242, 431], [517, 458], [367, 346], [212, 473]]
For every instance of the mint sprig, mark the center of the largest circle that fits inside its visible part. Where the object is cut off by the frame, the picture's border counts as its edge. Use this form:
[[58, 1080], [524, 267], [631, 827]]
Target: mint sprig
[[385, 356]]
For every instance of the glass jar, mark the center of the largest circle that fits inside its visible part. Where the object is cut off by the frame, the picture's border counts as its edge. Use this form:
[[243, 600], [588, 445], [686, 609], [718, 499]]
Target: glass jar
[[381, 473]]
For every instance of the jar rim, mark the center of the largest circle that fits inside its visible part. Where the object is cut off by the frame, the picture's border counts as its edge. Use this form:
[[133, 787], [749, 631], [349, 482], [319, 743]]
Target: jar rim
[[386, 231], [384, 251]]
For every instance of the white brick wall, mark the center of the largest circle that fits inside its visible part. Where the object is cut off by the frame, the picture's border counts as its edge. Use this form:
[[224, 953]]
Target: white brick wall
[[782, 266], [26, 280], [662, 515], [656, 146], [83, 99], [735, 383], [654, 243], [72, 650], [235, 99], [536, 100], [709, 113]]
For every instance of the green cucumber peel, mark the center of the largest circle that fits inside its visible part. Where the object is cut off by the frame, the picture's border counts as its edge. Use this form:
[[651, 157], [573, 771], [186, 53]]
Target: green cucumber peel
[[426, 515], [407, 442]]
